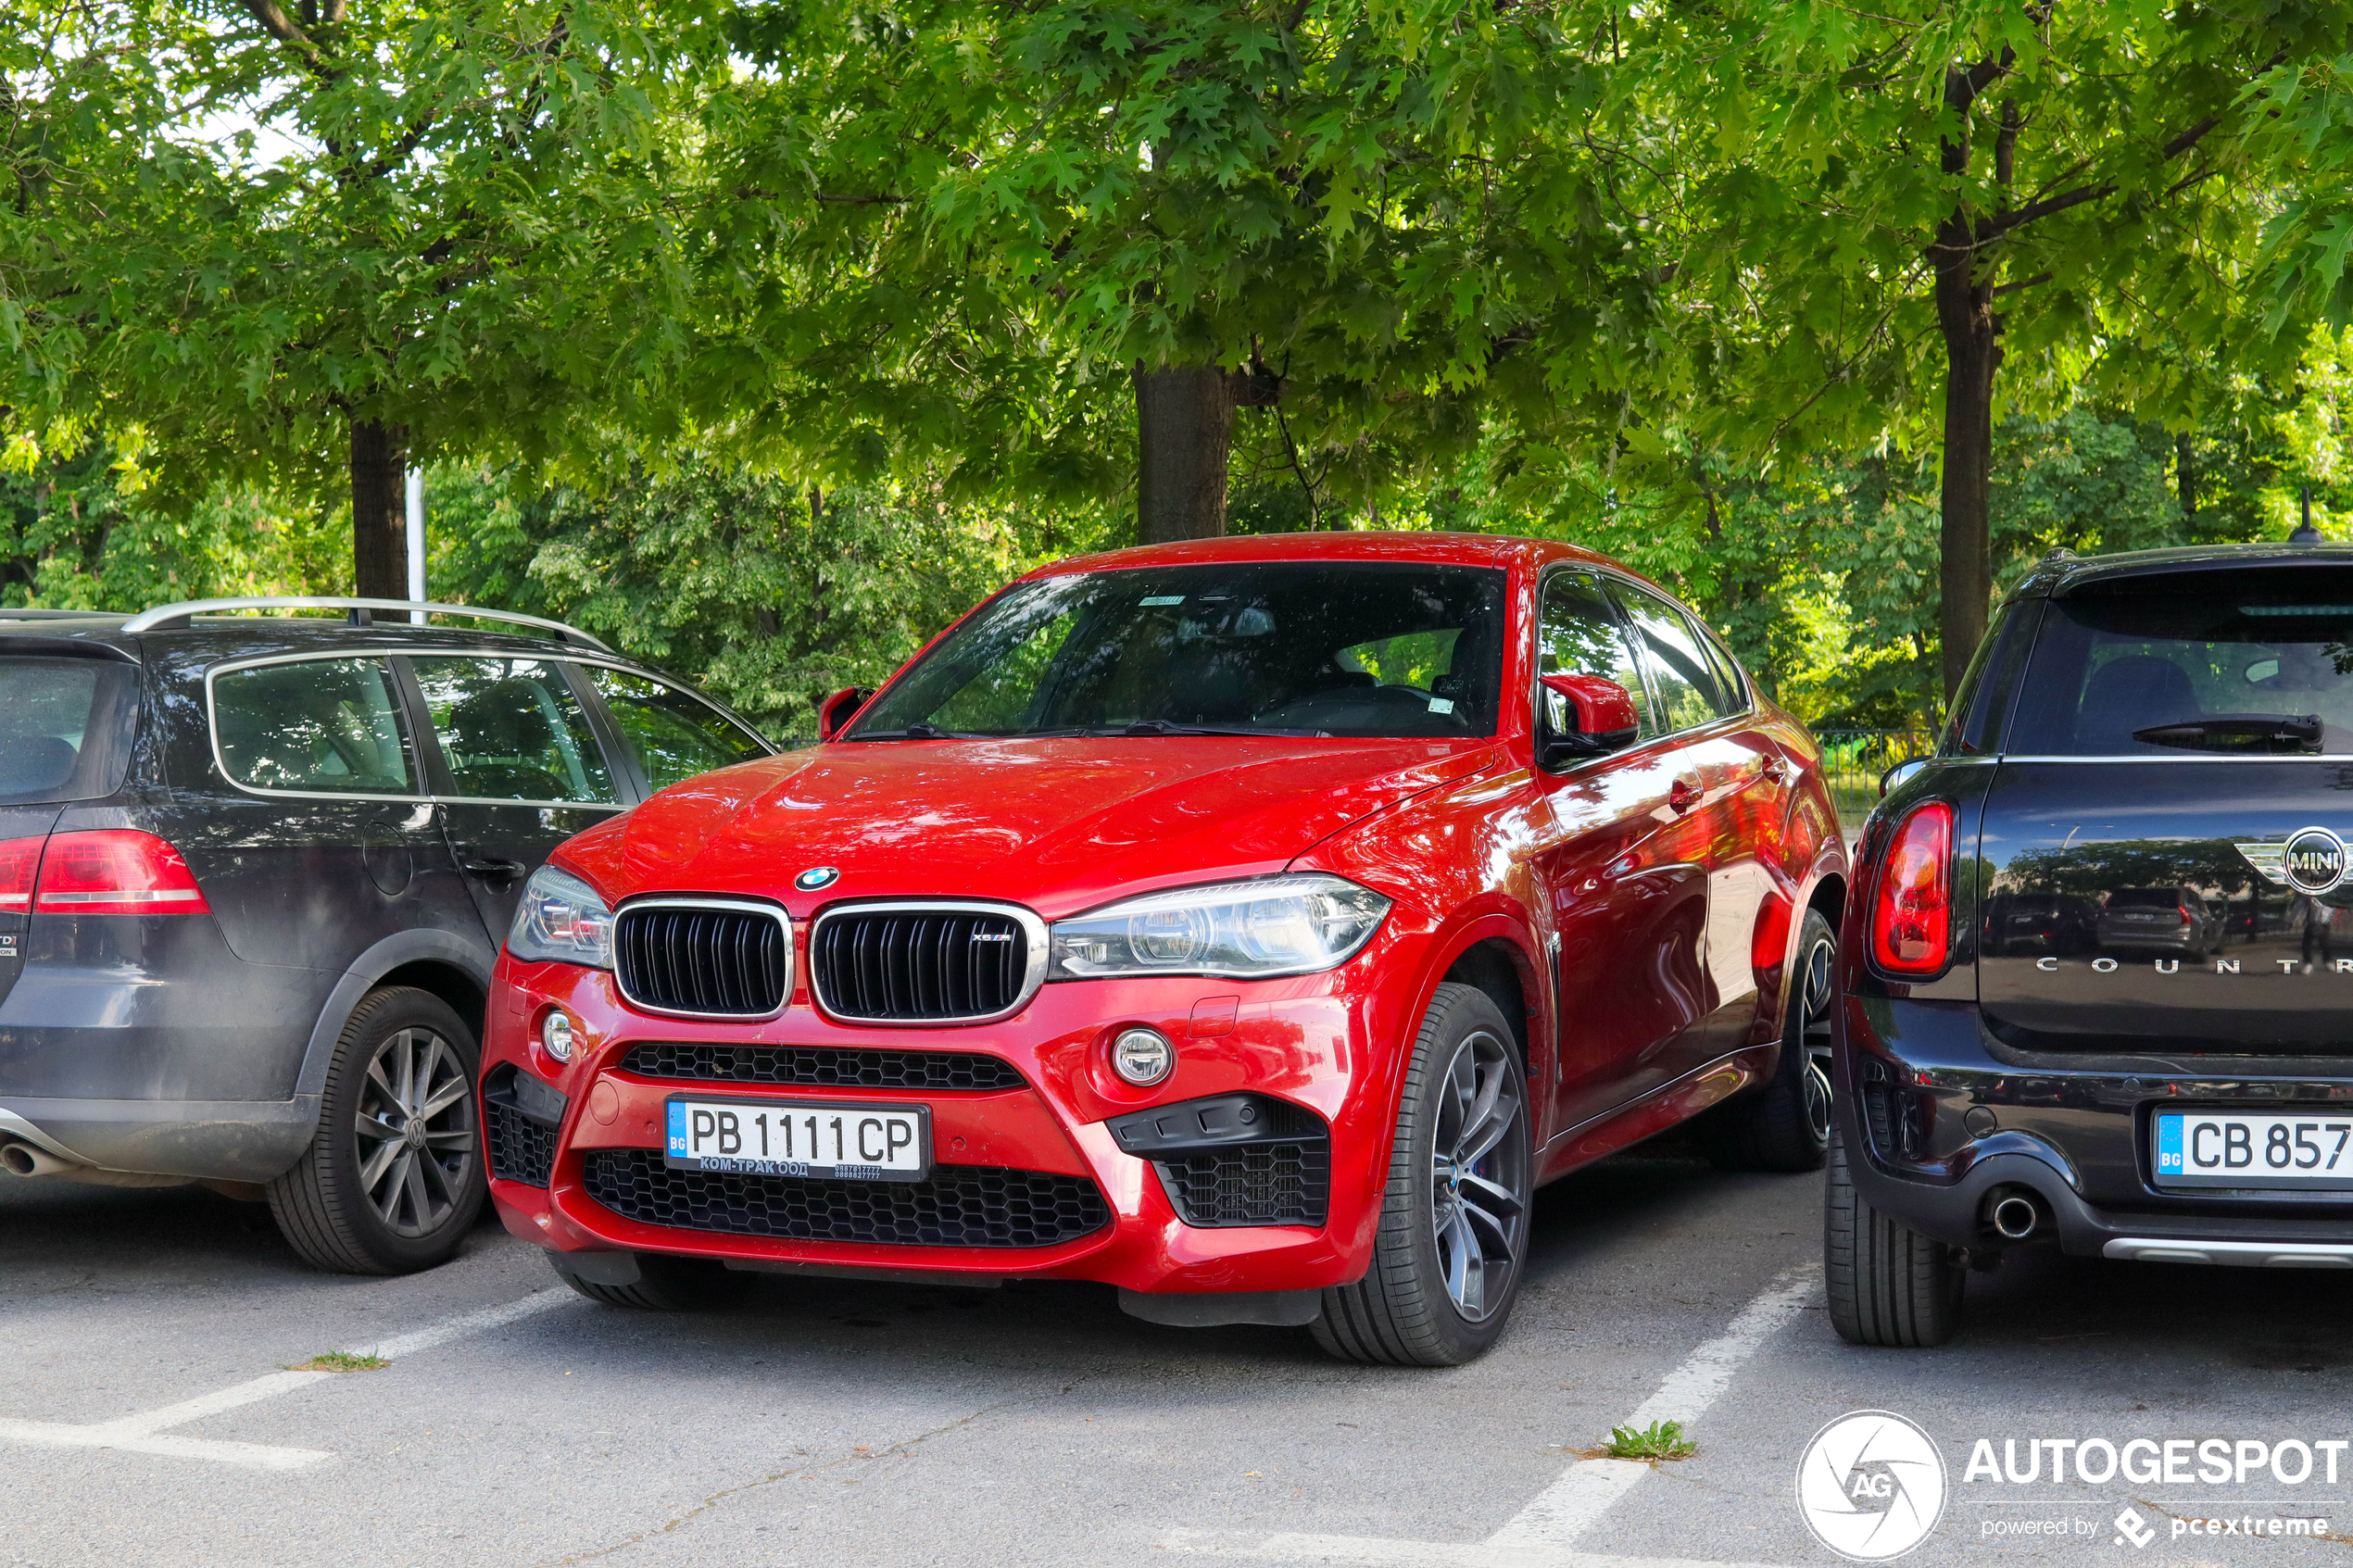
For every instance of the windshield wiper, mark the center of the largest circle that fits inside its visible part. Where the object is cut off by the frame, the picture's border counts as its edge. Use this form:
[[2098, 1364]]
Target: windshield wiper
[[1166, 727], [921, 730], [2237, 732]]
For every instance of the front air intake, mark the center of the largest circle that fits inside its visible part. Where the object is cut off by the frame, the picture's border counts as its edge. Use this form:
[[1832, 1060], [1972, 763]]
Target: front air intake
[[925, 963], [703, 958]]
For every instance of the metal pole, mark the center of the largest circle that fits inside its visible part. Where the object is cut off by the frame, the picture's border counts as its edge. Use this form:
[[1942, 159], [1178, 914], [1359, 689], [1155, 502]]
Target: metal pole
[[417, 542]]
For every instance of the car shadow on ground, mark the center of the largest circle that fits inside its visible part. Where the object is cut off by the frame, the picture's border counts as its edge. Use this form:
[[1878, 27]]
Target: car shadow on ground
[[2272, 1320]]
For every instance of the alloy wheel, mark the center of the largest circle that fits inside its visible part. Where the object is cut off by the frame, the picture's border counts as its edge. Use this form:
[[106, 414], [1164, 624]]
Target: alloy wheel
[[416, 1128], [1479, 1176], [1820, 993]]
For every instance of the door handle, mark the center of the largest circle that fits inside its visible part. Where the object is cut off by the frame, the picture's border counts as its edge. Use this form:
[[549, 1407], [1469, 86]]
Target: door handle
[[489, 867], [1770, 767], [1682, 795]]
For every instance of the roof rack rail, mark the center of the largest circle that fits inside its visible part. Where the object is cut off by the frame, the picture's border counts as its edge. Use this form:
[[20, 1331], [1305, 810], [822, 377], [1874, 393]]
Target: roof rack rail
[[175, 617]]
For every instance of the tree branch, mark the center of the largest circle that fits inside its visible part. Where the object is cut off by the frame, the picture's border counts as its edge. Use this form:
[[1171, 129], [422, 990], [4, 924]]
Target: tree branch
[[279, 25]]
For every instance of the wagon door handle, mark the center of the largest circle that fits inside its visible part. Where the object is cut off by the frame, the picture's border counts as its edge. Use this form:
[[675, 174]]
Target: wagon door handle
[[1682, 795], [488, 867]]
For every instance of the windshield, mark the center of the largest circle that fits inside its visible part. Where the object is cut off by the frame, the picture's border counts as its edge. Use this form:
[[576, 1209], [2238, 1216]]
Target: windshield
[[1340, 649], [2237, 662]]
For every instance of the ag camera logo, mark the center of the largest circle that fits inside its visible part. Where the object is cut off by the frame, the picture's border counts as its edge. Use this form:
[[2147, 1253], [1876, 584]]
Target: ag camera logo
[[1871, 1485]]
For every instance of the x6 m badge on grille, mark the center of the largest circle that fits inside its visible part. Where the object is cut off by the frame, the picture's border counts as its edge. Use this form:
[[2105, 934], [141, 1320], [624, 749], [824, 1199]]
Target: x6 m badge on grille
[[2311, 860]]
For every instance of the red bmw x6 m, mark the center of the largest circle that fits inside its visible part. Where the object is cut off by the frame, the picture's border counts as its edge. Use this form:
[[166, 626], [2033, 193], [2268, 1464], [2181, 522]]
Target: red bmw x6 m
[[1251, 924]]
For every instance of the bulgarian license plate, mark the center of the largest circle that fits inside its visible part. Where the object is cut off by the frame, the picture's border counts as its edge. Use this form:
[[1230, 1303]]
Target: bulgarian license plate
[[2267, 1148], [768, 1138]]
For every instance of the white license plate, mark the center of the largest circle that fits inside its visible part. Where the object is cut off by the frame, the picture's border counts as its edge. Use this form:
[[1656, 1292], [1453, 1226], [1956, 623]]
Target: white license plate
[[788, 1137], [2286, 1149]]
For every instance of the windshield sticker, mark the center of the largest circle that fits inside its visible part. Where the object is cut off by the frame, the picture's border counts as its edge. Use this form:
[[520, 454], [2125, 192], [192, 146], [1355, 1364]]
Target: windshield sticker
[[1162, 599], [1441, 705]]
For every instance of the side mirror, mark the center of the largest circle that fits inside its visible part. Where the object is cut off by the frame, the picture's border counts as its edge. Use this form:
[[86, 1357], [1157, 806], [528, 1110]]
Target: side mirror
[[839, 709], [1584, 716], [1895, 777]]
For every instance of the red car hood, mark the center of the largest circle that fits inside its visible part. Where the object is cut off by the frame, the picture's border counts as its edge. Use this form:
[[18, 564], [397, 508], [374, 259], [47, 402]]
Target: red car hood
[[1059, 825]]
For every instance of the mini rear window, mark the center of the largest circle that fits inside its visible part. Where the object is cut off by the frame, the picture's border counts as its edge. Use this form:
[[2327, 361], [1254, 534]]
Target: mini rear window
[[2257, 662], [64, 728]]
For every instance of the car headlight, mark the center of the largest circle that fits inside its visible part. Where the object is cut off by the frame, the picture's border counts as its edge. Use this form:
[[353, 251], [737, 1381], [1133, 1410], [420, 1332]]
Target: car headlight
[[562, 920], [1251, 930]]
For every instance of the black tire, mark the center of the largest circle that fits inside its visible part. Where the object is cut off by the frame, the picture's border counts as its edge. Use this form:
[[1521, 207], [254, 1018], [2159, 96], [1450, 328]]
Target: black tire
[[664, 1284], [1784, 1123], [1405, 1311], [1889, 1285], [400, 1203]]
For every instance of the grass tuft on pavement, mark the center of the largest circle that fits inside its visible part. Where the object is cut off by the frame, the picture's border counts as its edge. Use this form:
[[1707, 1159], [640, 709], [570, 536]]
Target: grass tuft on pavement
[[341, 1360], [1660, 1441]]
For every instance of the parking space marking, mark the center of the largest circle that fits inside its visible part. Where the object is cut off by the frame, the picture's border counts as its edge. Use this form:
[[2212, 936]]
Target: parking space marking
[[145, 1433], [1545, 1532]]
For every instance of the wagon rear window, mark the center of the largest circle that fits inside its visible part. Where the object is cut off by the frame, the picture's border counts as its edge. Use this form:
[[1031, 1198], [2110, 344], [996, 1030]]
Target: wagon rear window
[[64, 728], [2232, 663]]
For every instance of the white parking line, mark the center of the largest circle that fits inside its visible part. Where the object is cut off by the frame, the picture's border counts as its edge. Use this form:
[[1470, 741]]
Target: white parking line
[[145, 1433], [1542, 1535]]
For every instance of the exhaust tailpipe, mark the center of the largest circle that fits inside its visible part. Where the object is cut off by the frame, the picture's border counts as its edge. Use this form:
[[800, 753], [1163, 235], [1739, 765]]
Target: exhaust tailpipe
[[2014, 1214], [26, 1160]]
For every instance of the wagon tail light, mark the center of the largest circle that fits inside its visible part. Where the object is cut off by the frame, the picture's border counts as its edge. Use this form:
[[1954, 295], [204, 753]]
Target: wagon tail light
[[1912, 913], [111, 871]]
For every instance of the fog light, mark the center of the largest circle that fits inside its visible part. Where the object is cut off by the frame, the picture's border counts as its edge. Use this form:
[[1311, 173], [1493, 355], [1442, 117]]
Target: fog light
[[1142, 1055], [555, 1035]]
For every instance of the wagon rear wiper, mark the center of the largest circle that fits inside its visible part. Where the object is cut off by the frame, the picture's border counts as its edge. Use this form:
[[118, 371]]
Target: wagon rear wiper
[[2237, 732]]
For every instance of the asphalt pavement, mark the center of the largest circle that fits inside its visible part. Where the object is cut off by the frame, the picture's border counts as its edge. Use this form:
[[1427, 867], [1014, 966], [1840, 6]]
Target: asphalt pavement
[[148, 1419]]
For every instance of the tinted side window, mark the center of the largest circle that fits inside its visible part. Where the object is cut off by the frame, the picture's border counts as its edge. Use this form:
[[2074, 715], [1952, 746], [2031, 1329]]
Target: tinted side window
[[329, 726], [1681, 675], [510, 730], [1728, 669], [1578, 633], [674, 733]]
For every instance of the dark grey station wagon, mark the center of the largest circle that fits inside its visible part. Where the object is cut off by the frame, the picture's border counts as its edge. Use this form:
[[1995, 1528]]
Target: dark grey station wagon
[[254, 872]]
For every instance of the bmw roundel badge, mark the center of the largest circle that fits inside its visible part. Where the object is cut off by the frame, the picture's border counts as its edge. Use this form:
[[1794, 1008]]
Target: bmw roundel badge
[[817, 877]]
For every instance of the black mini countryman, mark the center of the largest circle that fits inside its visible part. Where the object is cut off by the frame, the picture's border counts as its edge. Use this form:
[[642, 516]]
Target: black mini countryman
[[254, 872], [2097, 961]]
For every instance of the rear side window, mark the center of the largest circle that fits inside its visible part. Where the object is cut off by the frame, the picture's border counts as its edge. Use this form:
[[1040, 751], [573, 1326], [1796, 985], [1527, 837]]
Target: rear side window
[[676, 734], [2250, 661], [511, 730], [1684, 682], [64, 728], [320, 726]]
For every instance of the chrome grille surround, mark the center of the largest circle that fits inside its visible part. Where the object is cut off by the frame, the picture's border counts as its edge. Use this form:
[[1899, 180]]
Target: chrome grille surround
[[689, 904], [1032, 973]]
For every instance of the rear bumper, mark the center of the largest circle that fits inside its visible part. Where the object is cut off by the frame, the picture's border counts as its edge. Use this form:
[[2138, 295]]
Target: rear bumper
[[1324, 1043], [219, 1140], [1941, 1114]]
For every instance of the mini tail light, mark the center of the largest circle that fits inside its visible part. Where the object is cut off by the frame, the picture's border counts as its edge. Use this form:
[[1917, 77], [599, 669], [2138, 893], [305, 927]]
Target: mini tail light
[[20, 858], [1912, 914], [116, 872]]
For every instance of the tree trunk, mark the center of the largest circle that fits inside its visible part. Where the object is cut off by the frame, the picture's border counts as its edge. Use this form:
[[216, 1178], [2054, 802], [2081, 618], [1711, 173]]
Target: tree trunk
[[1184, 435], [379, 524], [1973, 354], [2185, 473]]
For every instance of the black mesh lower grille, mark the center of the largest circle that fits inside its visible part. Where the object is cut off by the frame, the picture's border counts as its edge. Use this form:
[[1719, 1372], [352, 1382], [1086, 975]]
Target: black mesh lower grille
[[1267, 1184], [959, 1206], [823, 1067], [521, 1151]]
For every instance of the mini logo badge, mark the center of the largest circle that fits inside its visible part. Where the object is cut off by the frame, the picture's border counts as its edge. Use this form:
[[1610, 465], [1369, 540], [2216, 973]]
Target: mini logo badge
[[817, 877], [2312, 860], [1871, 1485]]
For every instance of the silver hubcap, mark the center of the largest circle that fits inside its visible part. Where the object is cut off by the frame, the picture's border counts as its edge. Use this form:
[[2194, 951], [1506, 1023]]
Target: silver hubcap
[[1479, 1176], [1819, 983], [416, 1128]]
